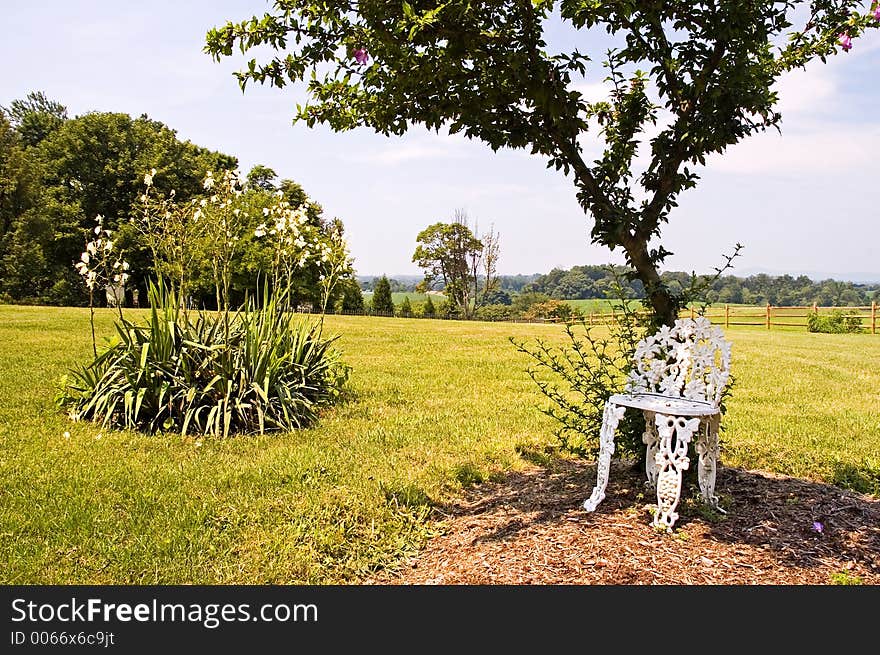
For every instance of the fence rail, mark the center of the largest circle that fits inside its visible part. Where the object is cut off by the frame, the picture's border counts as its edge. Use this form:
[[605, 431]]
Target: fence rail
[[772, 316], [769, 317], [788, 316]]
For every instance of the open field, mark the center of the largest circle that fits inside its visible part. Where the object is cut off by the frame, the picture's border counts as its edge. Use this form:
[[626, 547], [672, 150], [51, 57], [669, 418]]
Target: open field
[[436, 406], [398, 296]]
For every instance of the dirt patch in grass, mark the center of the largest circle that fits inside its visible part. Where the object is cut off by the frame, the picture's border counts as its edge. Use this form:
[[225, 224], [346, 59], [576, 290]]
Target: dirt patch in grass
[[530, 528]]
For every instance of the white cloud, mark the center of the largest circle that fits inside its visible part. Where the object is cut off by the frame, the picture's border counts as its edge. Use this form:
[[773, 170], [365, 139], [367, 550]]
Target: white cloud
[[414, 148], [829, 149]]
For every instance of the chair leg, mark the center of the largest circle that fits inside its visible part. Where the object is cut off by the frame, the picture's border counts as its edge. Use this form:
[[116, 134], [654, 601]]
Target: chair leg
[[610, 418], [650, 438], [671, 461], [707, 449]]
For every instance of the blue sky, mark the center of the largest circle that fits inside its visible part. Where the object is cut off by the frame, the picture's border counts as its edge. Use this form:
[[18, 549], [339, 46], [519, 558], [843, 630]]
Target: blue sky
[[803, 201]]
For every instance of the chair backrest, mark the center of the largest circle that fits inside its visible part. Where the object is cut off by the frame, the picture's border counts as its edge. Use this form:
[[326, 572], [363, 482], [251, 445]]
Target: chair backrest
[[689, 360]]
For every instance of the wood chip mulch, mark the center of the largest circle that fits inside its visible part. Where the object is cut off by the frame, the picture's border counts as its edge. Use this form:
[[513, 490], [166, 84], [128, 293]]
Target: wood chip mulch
[[530, 529]]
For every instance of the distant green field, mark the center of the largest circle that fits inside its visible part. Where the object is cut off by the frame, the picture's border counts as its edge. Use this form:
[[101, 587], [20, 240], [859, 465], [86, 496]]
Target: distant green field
[[436, 406], [596, 305]]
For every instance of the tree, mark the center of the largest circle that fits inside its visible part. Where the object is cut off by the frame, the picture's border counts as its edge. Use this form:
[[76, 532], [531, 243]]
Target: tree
[[450, 254], [36, 117], [19, 177], [262, 177], [405, 310], [94, 165], [352, 297], [702, 72], [382, 302], [429, 311]]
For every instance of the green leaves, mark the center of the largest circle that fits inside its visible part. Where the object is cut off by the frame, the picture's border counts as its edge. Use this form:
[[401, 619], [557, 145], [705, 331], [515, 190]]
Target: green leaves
[[274, 372], [483, 69]]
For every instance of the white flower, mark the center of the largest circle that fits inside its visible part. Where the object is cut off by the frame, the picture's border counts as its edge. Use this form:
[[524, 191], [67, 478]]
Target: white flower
[[85, 257], [148, 179], [261, 230], [265, 211], [66, 435], [125, 266], [98, 229]]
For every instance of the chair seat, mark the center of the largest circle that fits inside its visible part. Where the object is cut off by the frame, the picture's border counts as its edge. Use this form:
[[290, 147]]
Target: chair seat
[[660, 404]]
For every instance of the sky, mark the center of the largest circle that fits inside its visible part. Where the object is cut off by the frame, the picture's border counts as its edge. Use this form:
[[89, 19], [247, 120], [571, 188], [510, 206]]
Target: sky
[[804, 201]]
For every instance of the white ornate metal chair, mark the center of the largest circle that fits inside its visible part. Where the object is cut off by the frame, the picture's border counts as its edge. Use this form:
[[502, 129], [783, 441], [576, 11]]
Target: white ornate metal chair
[[677, 381]]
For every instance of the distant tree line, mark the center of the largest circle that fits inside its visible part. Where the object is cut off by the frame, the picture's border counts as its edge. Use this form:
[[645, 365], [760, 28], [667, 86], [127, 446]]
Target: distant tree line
[[58, 173], [584, 282]]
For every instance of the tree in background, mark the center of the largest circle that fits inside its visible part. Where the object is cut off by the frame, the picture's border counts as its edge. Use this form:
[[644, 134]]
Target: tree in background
[[697, 75], [382, 302], [405, 310], [429, 311], [463, 263], [352, 297], [36, 117], [22, 260], [80, 168], [58, 173]]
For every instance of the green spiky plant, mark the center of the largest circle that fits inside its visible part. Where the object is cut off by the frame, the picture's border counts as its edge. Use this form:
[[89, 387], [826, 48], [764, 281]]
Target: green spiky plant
[[265, 369]]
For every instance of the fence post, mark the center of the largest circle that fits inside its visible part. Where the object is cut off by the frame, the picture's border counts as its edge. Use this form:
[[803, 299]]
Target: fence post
[[693, 314], [874, 317], [727, 316], [768, 315]]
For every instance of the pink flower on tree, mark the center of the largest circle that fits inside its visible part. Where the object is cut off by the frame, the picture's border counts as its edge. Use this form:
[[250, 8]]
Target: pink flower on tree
[[877, 12], [845, 41], [361, 56]]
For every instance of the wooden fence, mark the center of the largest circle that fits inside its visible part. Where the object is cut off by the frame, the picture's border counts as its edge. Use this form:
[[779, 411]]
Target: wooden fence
[[770, 316]]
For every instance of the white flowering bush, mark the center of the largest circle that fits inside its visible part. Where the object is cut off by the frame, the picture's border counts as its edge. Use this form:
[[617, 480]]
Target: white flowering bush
[[102, 267], [297, 243], [271, 371], [249, 369]]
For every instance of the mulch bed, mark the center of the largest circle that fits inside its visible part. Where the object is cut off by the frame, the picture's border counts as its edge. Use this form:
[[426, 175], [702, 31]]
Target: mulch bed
[[530, 529]]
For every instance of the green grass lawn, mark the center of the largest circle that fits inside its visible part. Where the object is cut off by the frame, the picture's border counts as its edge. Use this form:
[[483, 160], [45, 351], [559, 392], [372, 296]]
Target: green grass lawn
[[436, 405]]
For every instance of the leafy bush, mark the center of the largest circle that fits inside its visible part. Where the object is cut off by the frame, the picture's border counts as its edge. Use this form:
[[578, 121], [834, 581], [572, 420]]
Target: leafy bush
[[256, 370], [554, 310], [405, 308], [447, 309], [583, 375], [834, 323], [428, 310], [494, 312]]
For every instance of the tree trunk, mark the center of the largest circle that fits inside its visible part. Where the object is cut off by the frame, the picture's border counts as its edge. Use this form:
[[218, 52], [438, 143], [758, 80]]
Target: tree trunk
[[665, 306]]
